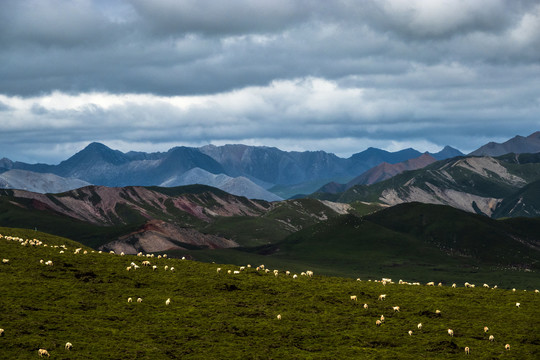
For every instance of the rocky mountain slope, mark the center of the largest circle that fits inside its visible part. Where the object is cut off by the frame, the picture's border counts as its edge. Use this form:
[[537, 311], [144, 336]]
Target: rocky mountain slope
[[133, 219], [474, 184]]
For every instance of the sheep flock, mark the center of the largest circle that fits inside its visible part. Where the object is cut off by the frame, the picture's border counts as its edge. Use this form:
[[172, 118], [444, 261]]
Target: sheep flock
[[76, 298]]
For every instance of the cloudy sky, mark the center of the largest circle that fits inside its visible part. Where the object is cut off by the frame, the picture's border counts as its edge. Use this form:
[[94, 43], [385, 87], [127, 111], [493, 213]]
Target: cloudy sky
[[338, 76]]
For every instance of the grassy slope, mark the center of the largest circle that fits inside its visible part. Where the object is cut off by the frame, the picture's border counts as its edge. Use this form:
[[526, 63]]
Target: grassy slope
[[82, 299]]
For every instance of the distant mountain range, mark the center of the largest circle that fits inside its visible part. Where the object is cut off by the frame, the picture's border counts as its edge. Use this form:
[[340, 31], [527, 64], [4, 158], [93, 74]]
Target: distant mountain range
[[250, 171], [516, 145], [256, 172]]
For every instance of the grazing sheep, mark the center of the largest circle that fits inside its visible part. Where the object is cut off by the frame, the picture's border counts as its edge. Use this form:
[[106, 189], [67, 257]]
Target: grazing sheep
[[218, 270], [382, 296], [122, 253], [382, 318], [168, 301], [467, 350], [68, 346], [439, 284], [396, 308], [183, 258], [518, 304], [154, 268], [486, 286], [139, 300], [491, 338], [42, 352], [309, 273], [451, 332], [353, 297], [419, 326], [514, 290], [431, 283], [49, 263], [295, 276], [128, 268], [410, 332], [278, 316], [454, 285], [130, 300], [1, 332], [172, 269], [229, 271], [486, 329], [236, 272], [507, 347], [166, 267], [242, 268], [378, 322], [5, 261], [366, 306], [438, 312]]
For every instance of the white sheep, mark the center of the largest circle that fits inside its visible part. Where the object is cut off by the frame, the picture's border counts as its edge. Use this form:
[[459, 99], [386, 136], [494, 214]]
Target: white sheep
[[166, 267], [467, 350], [366, 306], [410, 332], [454, 285], [491, 338], [139, 300], [382, 318], [378, 322], [168, 301], [396, 308], [130, 300], [438, 312], [236, 272], [382, 297], [154, 268], [1, 332], [172, 269], [451, 332], [68, 346], [353, 297], [431, 283], [518, 304], [295, 276], [49, 263], [419, 326], [128, 268], [42, 352], [486, 329], [218, 270], [486, 286], [5, 261], [507, 347], [278, 316]]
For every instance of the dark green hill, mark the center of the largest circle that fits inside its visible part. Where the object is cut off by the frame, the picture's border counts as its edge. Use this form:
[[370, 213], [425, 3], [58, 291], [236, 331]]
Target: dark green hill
[[83, 299], [417, 241]]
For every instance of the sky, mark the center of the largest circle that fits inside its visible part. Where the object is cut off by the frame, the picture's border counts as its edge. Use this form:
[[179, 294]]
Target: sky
[[338, 76]]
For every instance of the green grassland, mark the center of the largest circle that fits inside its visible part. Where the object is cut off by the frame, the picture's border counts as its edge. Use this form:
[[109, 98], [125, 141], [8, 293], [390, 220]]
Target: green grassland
[[82, 299]]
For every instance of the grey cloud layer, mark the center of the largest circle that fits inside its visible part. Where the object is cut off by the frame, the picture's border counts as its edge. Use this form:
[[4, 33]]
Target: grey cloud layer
[[180, 47], [427, 72]]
